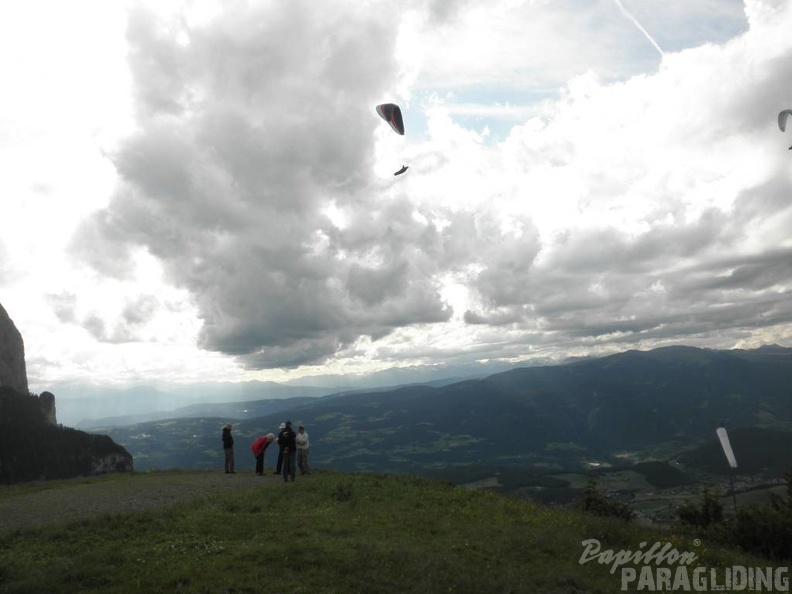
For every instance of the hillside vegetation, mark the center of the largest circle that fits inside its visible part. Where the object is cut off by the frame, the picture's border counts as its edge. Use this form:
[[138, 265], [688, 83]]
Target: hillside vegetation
[[328, 533], [32, 449], [630, 407]]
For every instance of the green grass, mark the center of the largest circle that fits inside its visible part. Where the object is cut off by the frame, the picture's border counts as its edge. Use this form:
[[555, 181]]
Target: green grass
[[330, 533]]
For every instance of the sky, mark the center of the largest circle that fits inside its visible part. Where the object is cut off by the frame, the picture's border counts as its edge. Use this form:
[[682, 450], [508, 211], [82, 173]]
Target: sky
[[203, 191]]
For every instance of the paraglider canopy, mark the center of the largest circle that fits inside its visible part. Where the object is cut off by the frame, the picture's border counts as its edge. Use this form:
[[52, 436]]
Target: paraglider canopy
[[782, 118], [391, 113]]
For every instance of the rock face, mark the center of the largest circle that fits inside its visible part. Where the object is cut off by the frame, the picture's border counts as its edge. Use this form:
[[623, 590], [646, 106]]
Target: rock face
[[32, 444], [13, 373], [47, 400]]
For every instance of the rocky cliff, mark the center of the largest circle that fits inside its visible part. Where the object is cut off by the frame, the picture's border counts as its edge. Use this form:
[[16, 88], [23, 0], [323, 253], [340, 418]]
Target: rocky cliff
[[32, 445], [33, 449], [47, 400], [12, 355]]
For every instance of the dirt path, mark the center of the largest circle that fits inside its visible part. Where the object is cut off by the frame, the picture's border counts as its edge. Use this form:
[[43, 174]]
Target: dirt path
[[43, 504]]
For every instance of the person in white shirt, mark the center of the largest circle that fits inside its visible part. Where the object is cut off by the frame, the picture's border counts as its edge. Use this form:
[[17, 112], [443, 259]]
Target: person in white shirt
[[302, 450]]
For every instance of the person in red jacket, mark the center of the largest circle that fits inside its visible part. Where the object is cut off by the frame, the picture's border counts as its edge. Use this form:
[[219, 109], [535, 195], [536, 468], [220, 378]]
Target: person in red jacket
[[259, 447]]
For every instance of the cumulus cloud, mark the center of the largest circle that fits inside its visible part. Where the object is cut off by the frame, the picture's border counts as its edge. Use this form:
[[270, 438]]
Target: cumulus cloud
[[250, 128], [660, 204], [629, 211], [128, 324], [674, 196]]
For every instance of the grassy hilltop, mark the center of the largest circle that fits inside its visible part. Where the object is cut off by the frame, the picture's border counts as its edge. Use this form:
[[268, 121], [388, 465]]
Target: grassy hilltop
[[328, 533]]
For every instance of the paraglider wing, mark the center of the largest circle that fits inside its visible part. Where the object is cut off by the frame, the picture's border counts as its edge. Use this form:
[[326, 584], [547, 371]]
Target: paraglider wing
[[402, 170], [782, 119], [391, 113]]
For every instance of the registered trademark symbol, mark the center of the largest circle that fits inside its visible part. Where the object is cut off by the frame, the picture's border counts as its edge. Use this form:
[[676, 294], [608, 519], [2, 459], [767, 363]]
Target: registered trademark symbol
[[696, 542]]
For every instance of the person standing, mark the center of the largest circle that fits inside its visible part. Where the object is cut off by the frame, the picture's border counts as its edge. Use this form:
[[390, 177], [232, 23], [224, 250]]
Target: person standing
[[228, 449], [259, 447], [301, 439], [279, 465], [289, 452]]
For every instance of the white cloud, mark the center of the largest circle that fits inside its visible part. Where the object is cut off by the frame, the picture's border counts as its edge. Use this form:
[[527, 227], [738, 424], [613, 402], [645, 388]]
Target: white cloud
[[233, 186], [245, 140]]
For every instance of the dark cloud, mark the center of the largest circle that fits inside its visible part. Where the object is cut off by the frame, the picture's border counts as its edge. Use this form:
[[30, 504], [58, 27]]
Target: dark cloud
[[443, 11], [135, 313], [95, 326], [250, 127], [63, 306], [139, 311], [670, 282]]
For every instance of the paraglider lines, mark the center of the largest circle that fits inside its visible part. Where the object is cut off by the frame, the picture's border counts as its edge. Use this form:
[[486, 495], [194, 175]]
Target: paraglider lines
[[391, 113]]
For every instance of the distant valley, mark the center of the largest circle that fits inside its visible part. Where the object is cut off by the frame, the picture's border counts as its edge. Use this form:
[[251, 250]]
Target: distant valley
[[536, 422], [83, 406]]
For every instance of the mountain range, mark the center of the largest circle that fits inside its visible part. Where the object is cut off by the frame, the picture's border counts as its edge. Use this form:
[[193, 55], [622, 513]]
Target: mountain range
[[83, 405], [630, 407]]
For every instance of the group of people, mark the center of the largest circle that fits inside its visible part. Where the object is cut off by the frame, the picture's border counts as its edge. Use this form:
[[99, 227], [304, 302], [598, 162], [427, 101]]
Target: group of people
[[292, 451]]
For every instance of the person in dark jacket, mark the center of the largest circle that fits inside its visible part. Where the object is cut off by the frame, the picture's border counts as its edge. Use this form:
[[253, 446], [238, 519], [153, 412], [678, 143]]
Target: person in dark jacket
[[279, 465], [228, 449], [289, 444]]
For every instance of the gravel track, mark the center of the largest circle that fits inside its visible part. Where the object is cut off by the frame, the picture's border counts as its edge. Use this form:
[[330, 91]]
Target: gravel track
[[46, 504]]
